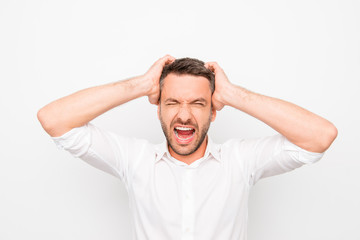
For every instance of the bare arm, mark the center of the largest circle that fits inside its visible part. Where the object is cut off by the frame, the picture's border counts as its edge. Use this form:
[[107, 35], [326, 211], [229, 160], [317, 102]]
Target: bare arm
[[79, 108], [300, 126]]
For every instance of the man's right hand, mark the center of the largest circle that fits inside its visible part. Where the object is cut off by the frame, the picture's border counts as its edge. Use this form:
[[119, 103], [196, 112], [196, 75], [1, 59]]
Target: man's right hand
[[152, 76]]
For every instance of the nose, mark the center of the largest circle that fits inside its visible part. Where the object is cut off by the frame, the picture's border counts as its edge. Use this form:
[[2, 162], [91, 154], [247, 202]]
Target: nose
[[184, 113]]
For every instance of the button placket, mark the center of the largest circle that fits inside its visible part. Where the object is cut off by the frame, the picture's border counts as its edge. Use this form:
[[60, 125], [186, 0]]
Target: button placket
[[188, 213]]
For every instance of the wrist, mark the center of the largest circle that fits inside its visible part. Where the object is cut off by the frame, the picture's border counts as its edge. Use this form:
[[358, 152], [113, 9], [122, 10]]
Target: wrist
[[233, 95], [227, 93], [142, 85]]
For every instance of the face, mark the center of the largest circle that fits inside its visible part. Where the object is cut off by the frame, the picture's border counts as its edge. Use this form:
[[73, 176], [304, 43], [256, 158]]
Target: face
[[185, 112]]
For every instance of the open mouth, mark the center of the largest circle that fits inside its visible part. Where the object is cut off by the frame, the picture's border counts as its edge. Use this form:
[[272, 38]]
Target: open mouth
[[184, 135]]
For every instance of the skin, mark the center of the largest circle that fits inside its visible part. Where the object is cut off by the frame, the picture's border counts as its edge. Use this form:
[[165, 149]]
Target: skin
[[300, 126], [188, 106], [303, 128], [79, 108]]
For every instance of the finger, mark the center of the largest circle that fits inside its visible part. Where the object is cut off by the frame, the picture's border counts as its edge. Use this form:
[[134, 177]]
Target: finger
[[167, 59], [207, 65], [213, 66], [153, 100], [218, 106], [215, 105], [162, 61]]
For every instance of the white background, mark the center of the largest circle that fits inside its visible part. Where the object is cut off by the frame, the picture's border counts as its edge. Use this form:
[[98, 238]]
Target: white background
[[306, 52]]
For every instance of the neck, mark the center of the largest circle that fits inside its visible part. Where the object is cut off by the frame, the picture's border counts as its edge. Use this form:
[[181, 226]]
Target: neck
[[188, 159]]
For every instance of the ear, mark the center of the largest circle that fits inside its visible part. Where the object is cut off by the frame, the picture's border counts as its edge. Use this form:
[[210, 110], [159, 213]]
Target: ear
[[213, 114]]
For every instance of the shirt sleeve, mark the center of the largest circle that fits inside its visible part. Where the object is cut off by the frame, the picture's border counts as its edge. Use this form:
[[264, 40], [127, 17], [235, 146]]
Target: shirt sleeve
[[102, 149], [271, 156]]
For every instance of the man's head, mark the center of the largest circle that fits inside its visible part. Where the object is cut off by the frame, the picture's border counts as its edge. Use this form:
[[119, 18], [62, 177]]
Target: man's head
[[185, 109], [188, 66]]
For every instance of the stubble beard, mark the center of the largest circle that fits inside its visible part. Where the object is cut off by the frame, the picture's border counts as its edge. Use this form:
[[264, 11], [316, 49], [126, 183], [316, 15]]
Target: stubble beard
[[169, 132]]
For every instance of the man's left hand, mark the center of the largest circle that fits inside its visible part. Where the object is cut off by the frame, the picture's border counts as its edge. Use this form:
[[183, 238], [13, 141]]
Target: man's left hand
[[222, 85]]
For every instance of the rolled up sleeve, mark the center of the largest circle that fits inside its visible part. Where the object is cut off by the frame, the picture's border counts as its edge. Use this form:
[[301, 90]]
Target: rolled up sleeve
[[302, 155], [76, 141], [271, 156], [101, 149]]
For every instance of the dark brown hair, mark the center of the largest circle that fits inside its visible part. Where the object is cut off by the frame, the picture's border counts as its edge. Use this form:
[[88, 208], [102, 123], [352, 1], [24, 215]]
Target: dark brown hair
[[190, 66]]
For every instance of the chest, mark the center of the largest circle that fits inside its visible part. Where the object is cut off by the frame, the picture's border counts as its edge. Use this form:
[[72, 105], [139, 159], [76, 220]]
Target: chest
[[166, 190]]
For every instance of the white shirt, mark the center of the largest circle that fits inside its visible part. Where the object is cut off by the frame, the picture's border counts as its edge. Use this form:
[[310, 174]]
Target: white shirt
[[170, 200]]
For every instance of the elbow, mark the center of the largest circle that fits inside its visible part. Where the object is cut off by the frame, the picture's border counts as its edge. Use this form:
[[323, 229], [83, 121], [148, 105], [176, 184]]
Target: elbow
[[43, 119], [328, 136], [52, 121], [46, 120], [321, 139]]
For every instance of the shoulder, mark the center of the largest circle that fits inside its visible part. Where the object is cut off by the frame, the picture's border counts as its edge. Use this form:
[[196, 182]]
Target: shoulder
[[251, 145]]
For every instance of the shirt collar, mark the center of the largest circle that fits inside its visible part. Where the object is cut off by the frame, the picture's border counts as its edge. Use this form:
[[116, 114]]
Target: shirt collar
[[162, 150]]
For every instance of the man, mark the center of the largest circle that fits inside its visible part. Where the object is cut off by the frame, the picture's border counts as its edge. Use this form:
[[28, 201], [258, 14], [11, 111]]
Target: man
[[188, 187]]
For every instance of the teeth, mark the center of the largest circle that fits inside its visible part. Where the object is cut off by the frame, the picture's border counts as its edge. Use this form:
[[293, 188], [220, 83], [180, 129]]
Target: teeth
[[183, 128], [177, 135]]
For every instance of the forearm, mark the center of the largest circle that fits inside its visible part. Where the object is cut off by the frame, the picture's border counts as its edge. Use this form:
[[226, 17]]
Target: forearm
[[81, 107], [302, 127]]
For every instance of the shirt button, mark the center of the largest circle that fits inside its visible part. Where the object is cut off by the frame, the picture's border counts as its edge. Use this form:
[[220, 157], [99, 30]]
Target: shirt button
[[187, 196], [187, 229]]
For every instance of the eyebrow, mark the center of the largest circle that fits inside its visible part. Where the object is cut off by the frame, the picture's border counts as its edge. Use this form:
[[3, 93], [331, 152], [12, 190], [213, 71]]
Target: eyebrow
[[171, 100], [203, 100]]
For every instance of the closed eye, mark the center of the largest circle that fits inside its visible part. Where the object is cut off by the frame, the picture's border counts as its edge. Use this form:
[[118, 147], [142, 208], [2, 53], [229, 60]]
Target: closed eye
[[199, 103], [171, 101]]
